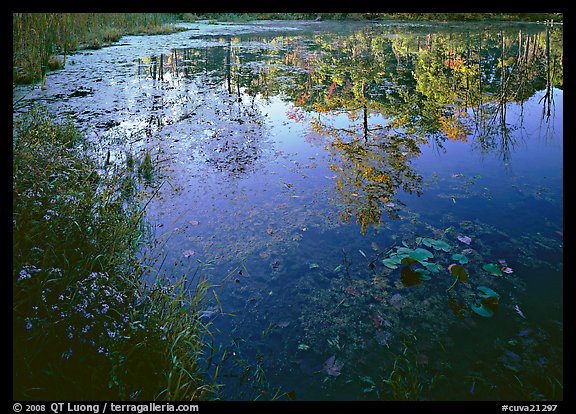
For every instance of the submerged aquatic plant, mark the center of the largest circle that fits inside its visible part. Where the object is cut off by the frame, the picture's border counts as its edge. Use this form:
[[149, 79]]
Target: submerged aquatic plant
[[408, 378]]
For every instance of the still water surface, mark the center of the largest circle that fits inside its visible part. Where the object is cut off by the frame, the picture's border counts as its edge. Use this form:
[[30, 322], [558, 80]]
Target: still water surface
[[341, 177]]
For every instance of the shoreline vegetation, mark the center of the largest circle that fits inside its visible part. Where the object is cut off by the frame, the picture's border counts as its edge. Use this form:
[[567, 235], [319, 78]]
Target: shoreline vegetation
[[508, 17], [42, 41], [86, 324]]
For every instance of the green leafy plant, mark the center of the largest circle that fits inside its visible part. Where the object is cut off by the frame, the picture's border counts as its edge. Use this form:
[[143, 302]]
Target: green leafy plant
[[493, 269], [487, 302]]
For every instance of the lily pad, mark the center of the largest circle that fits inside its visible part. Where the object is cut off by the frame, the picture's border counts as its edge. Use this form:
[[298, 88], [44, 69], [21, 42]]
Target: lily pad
[[460, 258], [432, 267], [482, 310], [393, 261], [409, 261], [487, 292], [487, 303], [411, 277], [458, 272], [492, 268], [422, 255], [436, 244]]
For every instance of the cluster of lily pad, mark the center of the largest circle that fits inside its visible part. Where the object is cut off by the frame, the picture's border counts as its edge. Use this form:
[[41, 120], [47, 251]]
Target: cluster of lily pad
[[417, 267]]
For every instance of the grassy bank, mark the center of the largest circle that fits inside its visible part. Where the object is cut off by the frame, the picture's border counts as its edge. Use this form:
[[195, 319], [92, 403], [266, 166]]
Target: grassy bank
[[42, 41], [85, 326]]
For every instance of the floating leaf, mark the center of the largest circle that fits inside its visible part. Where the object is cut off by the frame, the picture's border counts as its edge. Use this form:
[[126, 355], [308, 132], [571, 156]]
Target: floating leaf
[[488, 302], [411, 277], [492, 268], [333, 367], [458, 272], [422, 255], [408, 261], [390, 263], [393, 261], [460, 258], [464, 239], [487, 292], [432, 267], [519, 311], [423, 274], [436, 244], [481, 310]]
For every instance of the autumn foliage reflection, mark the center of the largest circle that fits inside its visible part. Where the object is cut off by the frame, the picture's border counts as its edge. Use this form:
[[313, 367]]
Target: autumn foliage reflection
[[372, 96]]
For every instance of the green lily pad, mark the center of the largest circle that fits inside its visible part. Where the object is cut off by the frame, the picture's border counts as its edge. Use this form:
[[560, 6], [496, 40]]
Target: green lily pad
[[432, 267], [389, 263], [403, 251], [436, 244], [393, 261], [424, 274], [460, 258], [487, 303], [492, 268], [482, 310], [420, 254], [487, 292]]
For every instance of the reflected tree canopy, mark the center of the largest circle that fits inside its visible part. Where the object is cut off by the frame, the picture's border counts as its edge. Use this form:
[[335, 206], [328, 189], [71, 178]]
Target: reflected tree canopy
[[374, 96]]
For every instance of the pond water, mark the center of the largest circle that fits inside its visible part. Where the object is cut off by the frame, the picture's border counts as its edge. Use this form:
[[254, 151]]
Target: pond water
[[381, 204]]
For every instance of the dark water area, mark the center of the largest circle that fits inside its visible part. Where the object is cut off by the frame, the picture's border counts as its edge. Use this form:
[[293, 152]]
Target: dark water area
[[339, 175]]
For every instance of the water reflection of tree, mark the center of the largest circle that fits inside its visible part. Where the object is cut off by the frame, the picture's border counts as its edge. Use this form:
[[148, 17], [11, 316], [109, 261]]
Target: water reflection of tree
[[369, 174], [398, 89], [233, 141], [428, 87]]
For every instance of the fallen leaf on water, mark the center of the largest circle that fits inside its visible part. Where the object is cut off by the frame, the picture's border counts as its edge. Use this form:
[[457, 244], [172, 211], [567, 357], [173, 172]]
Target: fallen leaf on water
[[464, 239], [519, 311], [333, 367], [189, 252]]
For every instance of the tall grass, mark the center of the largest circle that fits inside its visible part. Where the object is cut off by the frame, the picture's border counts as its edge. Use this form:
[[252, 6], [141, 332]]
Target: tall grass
[[39, 37], [85, 326]]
